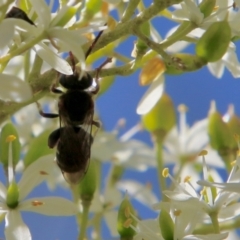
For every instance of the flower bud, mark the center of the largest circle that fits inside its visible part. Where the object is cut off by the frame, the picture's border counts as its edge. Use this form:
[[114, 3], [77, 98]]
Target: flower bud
[[151, 71], [234, 125], [7, 130], [162, 117], [106, 83], [218, 131], [12, 195], [187, 62], [68, 15], [125, 219], [214, 42], [91, 8], [166, 225], [140, 46], [88, 184], [207, 6]]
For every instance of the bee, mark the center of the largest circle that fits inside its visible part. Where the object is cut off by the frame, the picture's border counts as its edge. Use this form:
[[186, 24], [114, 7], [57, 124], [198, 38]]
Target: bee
[[75, 111], [73, 151]]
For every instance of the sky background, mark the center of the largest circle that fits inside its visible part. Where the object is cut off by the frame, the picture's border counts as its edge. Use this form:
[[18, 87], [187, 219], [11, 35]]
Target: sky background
[[195, 90]]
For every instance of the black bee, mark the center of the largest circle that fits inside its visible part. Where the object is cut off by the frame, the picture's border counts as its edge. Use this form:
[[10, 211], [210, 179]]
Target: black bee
[[73, 151], [18, 13], [75, 111]]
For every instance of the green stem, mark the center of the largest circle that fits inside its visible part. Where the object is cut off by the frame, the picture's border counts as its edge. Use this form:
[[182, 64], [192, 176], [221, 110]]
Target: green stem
[[160, 167], [215, 223], [96, 223], [84, 219], [129, 12], [75, 195], [225, 226]]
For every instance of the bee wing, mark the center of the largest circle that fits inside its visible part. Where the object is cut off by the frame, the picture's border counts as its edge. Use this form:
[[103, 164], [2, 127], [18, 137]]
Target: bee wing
[[74, 152]]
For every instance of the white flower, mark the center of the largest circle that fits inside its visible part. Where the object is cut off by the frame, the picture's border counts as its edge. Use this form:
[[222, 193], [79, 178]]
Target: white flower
[[105, 204], [140, 192], [12, 201], [125, 151], [229, 60], [183, 144], [152, 96], [49, 29], [149, 229]]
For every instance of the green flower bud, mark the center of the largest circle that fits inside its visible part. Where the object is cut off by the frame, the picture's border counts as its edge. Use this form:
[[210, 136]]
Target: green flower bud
[[34, 152], [91, 8], [116, 174], [214, 42], [207, 6], [161, 118], [187, 62], [71, 11], [166, 225], [219, 132], [140, 46], [88, 184], [7, 130], [234, 125], [125, 220], [12, 195], [105, 84]]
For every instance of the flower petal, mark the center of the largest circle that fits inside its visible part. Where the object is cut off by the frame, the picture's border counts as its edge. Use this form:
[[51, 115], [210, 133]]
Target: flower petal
[[35, 174], [7, 32], [151, 97], [3, 192], [51, 206], [72, 41], [15, 228], [138, 191], [111, 220], [53, 59], [14, 89], [43, 12]]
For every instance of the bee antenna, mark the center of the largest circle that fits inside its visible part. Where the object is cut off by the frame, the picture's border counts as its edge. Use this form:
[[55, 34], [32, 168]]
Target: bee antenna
[[94, 42]]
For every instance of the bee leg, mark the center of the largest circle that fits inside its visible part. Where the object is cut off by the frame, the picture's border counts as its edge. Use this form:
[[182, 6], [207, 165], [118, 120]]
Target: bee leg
[[53, 87], [93, 43], [53, 138], [95, 91], [46, 115], [96, 123], [72, 60]]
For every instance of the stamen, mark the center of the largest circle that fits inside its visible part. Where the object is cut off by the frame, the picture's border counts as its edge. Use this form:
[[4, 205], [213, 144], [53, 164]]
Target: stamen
[[127, 212], [203, 153], [165, 172], [37, 203], [182, 108], [204, 191], [10, 138], [233, 163], [127, 223], [187, 179], [177, 213], [43, 173]]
